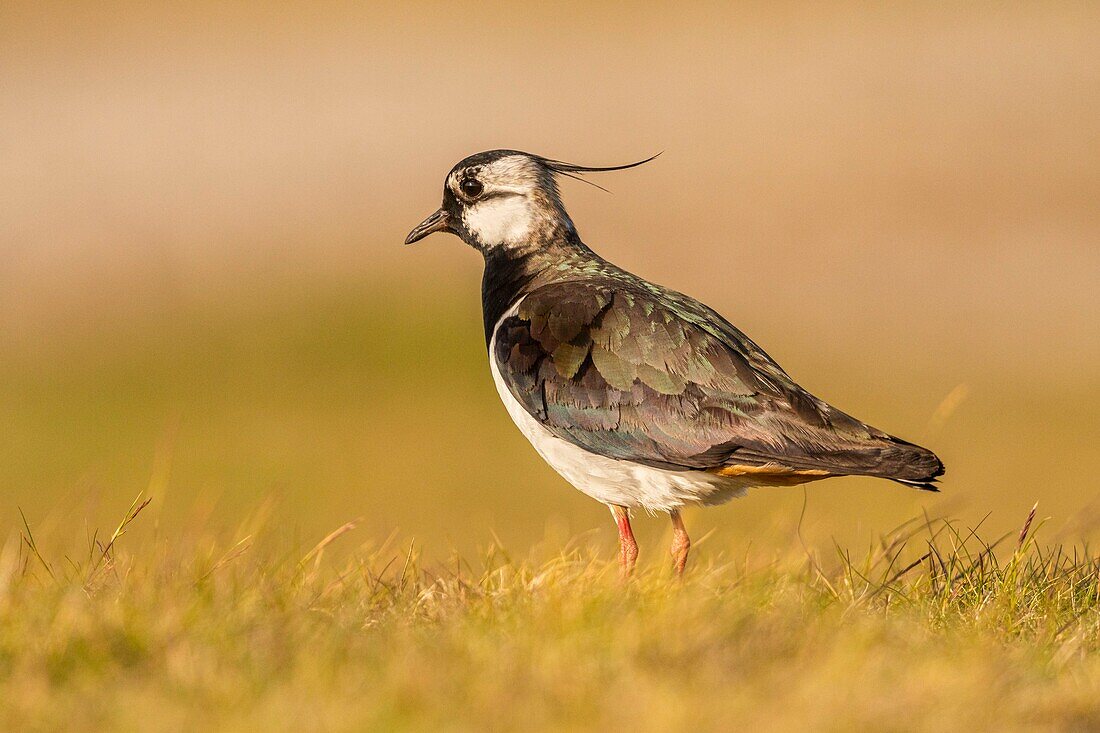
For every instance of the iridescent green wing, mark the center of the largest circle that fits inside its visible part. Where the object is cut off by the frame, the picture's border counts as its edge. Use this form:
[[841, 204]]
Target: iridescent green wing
[[638, 373], [615, 371]]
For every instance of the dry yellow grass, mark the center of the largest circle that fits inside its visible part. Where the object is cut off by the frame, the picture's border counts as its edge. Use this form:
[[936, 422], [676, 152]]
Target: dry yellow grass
[[932, 630]]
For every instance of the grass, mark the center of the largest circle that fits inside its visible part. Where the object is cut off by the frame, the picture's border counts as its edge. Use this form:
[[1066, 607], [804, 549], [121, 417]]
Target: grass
[[932, 629]]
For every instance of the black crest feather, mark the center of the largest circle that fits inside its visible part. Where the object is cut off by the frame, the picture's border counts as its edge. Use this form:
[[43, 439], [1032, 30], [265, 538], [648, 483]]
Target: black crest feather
[[570, 170]]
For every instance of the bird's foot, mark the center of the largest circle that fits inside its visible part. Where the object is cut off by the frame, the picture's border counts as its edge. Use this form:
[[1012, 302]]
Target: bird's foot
[[628, 546]]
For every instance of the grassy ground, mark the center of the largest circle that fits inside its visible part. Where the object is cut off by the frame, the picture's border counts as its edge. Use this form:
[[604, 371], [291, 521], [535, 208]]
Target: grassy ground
[[931, 630]]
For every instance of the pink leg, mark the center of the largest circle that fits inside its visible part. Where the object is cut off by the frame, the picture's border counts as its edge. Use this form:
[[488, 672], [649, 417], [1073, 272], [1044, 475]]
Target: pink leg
[[680, 544], [628, 547]]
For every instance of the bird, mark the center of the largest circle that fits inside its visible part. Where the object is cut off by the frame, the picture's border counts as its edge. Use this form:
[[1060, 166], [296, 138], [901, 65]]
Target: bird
[[639, 396]]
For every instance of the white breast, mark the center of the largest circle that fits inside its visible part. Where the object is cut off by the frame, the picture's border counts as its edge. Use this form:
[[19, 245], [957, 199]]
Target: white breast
[[609, 480]]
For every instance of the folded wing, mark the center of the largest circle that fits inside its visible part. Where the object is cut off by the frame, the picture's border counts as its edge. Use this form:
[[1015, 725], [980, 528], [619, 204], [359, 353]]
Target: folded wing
[[651, 376]]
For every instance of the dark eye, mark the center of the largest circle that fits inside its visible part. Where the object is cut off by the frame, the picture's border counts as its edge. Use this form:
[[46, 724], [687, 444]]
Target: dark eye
[[471, 188]]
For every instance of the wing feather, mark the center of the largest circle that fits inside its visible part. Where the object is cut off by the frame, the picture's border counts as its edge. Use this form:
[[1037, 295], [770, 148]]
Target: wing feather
[[647, 375]]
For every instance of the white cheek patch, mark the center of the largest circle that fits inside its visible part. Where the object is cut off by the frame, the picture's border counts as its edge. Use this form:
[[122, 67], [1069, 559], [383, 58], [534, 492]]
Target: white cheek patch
[[503, 220]]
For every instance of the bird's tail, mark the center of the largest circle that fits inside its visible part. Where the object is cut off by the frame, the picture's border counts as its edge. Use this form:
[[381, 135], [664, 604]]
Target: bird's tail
[[891, 458], [915, 466]]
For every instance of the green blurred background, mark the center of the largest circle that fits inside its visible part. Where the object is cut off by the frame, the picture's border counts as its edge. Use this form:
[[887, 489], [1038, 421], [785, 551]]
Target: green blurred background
[[203, 291]]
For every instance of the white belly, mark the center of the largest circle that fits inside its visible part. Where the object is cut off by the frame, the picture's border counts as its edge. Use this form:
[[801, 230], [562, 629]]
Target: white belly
[[609, 480]]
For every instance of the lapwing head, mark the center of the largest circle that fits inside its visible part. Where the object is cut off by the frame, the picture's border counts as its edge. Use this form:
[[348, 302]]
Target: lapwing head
[[505, 199]]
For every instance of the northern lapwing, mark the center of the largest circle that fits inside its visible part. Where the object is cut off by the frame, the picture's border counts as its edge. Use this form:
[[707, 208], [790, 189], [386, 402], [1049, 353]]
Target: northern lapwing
[[639, 396]]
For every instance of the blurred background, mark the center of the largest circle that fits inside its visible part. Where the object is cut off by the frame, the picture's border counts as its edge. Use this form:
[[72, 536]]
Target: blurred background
[[204, 295]]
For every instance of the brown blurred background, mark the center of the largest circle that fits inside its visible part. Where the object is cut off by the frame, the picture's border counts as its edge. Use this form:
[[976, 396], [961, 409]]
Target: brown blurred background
[[203, 291]]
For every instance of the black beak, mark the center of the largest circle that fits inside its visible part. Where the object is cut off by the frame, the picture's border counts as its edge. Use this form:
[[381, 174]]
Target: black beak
[[440, 221]]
